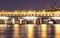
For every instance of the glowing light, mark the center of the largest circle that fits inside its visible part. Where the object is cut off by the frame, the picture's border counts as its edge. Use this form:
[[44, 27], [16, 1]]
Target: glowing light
[[50, 22], [30, 31], [2, 27], [13, 20], [16, 26], [57, 31], [55, 17], [30, 18], [44, 32], [16, 31], [3, 17]]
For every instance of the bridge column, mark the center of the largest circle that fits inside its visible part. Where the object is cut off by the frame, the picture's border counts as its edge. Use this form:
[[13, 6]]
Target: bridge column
[[34, 21], [40, 21], [6, 22], [13, 21], [20, 21]]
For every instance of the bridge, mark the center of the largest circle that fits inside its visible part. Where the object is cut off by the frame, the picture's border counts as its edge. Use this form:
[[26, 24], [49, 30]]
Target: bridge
[[26, 16], [29, 18]]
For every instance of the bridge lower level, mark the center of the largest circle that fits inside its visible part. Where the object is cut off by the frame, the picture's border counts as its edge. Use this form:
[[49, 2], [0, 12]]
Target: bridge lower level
[[29, 20]]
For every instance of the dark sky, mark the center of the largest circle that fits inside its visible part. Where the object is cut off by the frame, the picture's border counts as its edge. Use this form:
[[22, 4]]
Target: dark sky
[[26, 4]]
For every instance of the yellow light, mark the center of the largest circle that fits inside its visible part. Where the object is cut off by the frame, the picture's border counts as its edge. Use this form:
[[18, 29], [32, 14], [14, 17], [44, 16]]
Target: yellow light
[[16, 26], [44, 30], [16, 31], [57, 31], [2, 27], [13, 21], [30, 31]]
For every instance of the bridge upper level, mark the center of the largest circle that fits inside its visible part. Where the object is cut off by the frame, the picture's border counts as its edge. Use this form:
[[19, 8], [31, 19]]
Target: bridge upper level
[[30, 13]]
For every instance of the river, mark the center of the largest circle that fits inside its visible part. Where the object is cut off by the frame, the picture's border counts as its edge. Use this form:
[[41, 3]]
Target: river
[[30, 31]]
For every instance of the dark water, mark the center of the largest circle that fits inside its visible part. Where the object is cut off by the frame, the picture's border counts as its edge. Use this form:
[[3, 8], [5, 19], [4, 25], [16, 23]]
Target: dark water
[[30, 31]]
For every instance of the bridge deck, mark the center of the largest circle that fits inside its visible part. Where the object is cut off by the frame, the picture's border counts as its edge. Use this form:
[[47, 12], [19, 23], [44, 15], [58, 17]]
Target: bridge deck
[[30, 13]]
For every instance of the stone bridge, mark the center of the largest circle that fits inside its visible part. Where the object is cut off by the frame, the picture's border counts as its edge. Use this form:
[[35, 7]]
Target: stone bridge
[[42, 17]]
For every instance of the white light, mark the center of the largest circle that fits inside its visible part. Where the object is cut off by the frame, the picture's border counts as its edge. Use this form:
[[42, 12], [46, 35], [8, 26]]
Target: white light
[[49, 19], [55, 17], [50, 22], [30, 18], [13, 20], [3, 17]]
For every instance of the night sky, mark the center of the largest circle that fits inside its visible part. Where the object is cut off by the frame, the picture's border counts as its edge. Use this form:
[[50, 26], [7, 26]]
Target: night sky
[[26, 4]]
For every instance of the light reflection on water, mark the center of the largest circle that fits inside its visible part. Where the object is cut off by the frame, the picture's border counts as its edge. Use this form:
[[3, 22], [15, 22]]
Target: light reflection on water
[[16, 31], [57, 31], [30, 31], [44, 31]]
